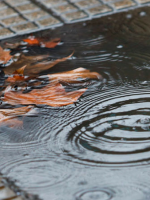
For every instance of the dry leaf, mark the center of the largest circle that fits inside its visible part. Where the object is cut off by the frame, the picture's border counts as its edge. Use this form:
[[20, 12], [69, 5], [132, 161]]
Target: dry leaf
[[4, 56], [53, 95]]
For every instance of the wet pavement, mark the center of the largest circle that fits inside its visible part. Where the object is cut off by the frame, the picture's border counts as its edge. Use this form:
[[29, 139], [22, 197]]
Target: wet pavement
[[98, 148], [20, 17]]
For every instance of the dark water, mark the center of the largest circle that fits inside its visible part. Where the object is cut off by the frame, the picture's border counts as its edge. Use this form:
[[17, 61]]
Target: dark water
[[99, 148]]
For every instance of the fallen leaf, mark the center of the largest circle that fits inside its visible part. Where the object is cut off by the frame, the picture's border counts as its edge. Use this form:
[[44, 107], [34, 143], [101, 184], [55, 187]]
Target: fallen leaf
[[17, 77], [53, 95], [4, 56], [51, 44], [32, 41], [33, 70], [41, 42], [9, 116], [23, 61], [75, 76]]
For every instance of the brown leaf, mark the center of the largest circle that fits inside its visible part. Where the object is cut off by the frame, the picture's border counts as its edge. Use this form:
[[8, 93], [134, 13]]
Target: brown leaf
[[20, 70], [53, 95], [9, 116], [17, 77], [23, 61], [33, 70], [75, 76], [51, 44], [4, 56]]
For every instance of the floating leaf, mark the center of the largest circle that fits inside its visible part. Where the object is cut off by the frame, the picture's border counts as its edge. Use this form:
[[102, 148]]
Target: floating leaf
[[9, 116], [75, 76], [53, 95], [39, 41], [51, 44], [32, 41]]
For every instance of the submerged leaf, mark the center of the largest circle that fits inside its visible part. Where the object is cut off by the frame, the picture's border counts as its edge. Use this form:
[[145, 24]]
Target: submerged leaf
[[4, 56], [23, 61], [33, 70]]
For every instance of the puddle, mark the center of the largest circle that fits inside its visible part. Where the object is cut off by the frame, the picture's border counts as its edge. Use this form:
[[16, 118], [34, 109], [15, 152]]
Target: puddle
[[97, 148]]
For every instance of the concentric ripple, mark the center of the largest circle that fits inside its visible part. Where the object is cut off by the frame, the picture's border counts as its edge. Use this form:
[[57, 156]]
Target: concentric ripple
[[122, 192], [106, 128]]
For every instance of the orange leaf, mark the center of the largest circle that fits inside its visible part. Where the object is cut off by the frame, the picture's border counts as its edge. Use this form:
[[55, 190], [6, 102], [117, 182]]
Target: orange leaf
[[51, 44], [75, 76], [20, 70], [32, 41], [39, 41], [52, 95], [17, 77], [9, 116], [4, 56]]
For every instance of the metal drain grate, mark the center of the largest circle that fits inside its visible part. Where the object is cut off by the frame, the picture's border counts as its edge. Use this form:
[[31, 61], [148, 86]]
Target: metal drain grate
[[20, 17]]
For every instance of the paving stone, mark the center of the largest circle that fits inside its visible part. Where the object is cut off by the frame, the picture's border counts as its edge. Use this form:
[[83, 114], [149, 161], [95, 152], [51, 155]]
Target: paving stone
[[13, 20], [6, 12], [27, 7], [2, 5], [99, 9], [75, 15], [48, 21], [87, 3], [36, 15], [49, 3], [5, 32], [123, 4], [15, 2], [65, 8], [24, 27]]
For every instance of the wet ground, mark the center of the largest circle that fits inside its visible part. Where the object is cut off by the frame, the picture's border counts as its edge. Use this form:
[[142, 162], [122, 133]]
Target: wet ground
[[98, 148]]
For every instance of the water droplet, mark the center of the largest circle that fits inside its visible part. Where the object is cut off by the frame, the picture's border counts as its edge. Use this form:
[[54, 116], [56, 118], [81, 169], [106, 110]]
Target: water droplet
[[119, 46], [128, 16], [142, 13]]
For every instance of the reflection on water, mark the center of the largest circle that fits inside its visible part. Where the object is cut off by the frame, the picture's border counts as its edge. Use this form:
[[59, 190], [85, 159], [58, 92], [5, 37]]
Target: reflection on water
[[98, 148]]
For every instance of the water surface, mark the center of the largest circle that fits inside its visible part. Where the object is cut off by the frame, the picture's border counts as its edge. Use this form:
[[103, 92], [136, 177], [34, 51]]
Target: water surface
[[98, 148]]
